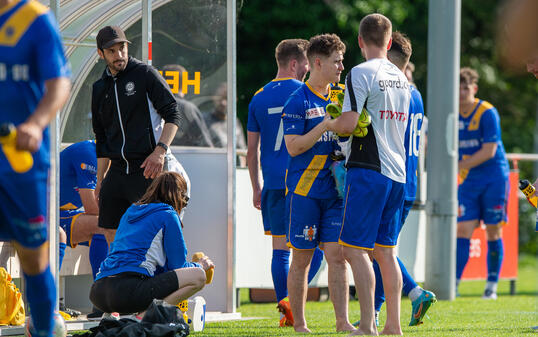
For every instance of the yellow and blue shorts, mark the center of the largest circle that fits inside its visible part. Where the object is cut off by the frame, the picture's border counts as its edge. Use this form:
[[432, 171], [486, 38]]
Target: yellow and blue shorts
[[312, 221], [67, 222]]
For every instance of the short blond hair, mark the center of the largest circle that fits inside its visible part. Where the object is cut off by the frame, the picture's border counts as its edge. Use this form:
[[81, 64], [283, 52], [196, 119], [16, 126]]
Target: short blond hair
[[375, 29], [468, 76]]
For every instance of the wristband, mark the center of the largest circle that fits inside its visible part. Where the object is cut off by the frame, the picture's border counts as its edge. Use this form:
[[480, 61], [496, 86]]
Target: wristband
[[163, 145]]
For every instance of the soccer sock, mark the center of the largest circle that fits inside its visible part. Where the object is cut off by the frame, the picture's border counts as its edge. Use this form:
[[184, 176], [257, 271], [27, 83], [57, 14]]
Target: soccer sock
[[41, 295], [280, 265], [462, 255], [315, 264], [61, 254], [408, 282], [379, 295], [415, 293], [495, 259], [98, 252]]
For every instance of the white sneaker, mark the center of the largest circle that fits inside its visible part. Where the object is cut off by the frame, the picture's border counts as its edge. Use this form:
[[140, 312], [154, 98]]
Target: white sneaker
[[489, 295], [196, 313]]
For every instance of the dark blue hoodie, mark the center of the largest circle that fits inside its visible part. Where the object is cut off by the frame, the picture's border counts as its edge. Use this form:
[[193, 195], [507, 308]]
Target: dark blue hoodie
[[148, 241]]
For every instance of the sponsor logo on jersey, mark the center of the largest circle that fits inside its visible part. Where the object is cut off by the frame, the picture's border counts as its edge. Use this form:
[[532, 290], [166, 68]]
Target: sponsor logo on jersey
[[396, 84], [393, 115], [468, 143], [88, 167], [315, 112]]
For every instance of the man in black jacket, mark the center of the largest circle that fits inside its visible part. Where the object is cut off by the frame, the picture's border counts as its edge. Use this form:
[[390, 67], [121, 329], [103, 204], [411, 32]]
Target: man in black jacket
[[135, 118]]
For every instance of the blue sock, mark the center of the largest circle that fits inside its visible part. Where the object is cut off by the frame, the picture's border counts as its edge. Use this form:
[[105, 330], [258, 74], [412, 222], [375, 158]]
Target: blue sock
[[495, 259], [379, 295], [280, 265], [408, 282], [98, 252], [61, 254], [41, 295], [315, 264], [462, 255]]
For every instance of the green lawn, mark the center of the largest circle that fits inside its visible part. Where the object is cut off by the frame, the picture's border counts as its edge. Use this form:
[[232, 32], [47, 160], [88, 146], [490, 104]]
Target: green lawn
[[468, 315]]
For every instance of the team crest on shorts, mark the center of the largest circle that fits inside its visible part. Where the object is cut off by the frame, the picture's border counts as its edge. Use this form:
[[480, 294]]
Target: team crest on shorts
[[309, 233], [129, 89]]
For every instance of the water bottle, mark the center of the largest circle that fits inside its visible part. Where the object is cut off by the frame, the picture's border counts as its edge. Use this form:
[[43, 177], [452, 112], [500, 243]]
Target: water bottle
[[528, 189], [20, 161]]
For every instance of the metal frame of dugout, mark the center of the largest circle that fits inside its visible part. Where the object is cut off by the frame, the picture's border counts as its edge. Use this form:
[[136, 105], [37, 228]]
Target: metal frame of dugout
[[210, 218]]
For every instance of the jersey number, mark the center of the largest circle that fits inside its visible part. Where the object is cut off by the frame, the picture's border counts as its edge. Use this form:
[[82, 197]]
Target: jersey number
[[280, 134], [414, 134]]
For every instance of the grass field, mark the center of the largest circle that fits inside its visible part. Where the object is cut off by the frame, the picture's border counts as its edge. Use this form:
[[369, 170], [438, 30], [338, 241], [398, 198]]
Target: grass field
[[468, 315]]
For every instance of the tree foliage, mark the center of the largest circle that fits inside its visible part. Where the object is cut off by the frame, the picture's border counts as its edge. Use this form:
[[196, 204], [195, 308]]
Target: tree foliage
[[262, 24]]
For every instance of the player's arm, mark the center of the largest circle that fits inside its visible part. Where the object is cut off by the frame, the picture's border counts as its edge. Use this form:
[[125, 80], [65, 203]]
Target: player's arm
[[486, 152], [89, 201], [298, 144], [102, 168], [345, 124], [154, 163], [30, 133], [253, 163]]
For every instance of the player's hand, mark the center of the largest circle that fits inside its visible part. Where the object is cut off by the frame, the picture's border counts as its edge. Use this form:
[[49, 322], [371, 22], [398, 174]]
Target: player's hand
[[206, 263], [29, 136], [257, 199], [154, 163], [536, 187]]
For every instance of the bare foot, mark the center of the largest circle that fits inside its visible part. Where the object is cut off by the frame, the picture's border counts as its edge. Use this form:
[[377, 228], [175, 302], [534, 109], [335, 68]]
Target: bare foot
[[301, 329], [392, 332], [345, 327], [359, 332]]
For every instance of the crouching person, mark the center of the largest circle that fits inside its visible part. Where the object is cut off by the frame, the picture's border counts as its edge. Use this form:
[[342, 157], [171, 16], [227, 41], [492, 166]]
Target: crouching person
[[148, 258]]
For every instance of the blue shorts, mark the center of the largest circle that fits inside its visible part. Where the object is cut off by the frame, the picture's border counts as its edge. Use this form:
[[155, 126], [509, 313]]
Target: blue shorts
[[486, 201], [23, 207], [312, 221], [372, 200], [67, 222], [402, 213], [274, 212]]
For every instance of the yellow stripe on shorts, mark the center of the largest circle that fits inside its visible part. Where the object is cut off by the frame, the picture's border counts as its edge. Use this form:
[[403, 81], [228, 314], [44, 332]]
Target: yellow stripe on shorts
[[309, 175]]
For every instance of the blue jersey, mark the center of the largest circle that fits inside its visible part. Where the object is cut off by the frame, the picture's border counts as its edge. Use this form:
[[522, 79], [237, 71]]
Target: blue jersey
[[308, 173], [149, 241], [412, 143], [476, 127], [264, 112], [31, 53], [78, 170]]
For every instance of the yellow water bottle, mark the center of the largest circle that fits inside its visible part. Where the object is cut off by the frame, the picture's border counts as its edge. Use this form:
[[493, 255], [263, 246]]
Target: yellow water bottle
[[526, 187], [20, 161]]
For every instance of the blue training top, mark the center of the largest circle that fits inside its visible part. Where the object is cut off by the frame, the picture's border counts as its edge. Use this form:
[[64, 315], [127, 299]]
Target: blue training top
[[78, 170], [149, 241], [31, 53], [476, 127], [308, 173], [412, 142], [264, 112]]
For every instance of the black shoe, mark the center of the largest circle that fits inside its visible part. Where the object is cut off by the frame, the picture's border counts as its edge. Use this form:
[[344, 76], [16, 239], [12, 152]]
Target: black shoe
[[69, 311], [95, 314]]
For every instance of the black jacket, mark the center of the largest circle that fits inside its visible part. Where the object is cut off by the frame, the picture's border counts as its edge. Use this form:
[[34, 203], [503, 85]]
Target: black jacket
[[122, 115]]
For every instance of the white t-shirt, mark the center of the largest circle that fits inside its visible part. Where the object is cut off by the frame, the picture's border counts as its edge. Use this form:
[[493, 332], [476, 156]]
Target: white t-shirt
[[381, 88]]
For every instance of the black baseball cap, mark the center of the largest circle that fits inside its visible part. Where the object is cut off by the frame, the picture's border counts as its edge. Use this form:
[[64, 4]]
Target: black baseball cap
[[109, 36]]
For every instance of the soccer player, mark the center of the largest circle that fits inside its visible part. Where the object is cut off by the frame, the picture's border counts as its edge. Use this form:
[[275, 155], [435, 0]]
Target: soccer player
[[483, 171], [376, 171], [399, 55], [265, 126], [34, 85], [79, 208], [313, 208]]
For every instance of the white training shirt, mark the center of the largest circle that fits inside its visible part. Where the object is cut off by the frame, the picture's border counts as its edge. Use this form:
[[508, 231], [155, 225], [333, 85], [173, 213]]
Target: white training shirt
[[381, 88]]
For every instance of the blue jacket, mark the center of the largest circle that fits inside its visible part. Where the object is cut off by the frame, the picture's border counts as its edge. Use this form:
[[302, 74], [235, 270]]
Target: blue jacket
[[148, 241]]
